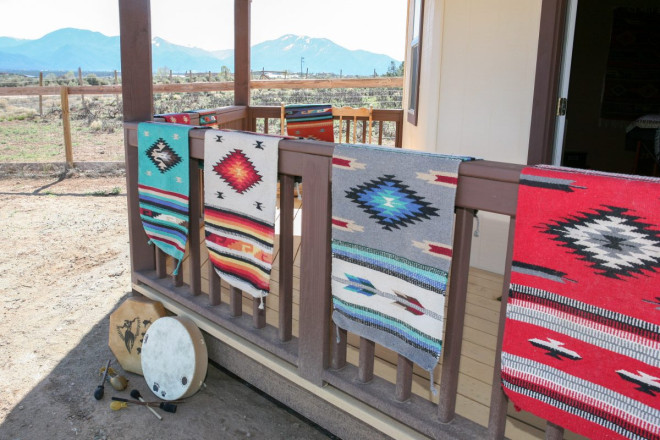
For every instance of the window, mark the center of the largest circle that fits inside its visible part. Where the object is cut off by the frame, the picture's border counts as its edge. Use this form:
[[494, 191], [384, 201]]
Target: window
[[415, 60]]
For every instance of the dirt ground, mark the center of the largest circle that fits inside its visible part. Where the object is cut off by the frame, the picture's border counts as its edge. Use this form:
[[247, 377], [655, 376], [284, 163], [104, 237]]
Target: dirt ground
[[64, 268]]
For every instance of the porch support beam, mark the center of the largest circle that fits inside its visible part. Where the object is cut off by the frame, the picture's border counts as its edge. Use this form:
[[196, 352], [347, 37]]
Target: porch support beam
[[242, 52], [137, 94]]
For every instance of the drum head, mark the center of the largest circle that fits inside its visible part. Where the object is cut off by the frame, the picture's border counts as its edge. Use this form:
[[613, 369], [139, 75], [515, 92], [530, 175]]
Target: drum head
[[174, 358]]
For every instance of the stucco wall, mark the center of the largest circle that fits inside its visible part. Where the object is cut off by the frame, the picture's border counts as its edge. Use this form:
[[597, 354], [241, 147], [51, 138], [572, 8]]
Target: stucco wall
[[476, 90]]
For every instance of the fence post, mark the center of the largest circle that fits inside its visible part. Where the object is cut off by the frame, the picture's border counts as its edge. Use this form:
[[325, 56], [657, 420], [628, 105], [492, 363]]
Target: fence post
[[116, 79], [66, 126], [41, 102], [80, 82]]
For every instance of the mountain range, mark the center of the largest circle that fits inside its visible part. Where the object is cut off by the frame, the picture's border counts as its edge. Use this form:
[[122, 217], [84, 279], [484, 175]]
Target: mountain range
[[67, 49]]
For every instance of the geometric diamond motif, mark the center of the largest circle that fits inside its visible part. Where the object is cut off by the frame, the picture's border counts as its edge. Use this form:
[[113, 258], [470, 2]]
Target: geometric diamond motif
[[237, 170], [613, 243], [163, 156], [390, 202]]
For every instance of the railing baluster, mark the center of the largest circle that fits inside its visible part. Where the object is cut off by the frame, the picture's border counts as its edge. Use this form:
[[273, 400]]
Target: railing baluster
[[178, 278], [339, 348], [457, 297], [553, 432], [404, 372], [265, 125], [498, 400], [367, 354], [214, 286], [380, 132], [161, 263], [258, 313], [194, 226], [236, 301], [286, 258]]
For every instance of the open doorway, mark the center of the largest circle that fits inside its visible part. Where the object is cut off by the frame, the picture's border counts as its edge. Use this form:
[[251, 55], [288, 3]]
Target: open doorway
[[614, 81]]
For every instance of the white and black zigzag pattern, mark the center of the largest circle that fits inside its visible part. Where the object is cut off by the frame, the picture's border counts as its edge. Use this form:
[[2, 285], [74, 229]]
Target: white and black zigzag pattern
[[614, 243]]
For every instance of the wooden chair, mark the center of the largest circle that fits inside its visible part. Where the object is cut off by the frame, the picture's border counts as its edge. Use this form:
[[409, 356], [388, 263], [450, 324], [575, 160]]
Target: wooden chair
[[354, 113]]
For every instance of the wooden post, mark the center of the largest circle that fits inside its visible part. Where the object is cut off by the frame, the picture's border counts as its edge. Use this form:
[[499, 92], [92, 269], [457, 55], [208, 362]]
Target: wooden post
[[170, 75], [80, 83], [498, 400], [209, 76], [242, 52], [456, 304], [41, 102], [137, 93], [116, 78], [314, 340], [66, 126]]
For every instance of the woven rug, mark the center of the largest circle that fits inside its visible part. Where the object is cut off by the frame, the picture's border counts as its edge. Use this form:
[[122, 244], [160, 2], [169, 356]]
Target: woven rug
[[164, 185], [392, 223], [175, 118], [207, 118], [582, 336], [240, 197], [311, 121]]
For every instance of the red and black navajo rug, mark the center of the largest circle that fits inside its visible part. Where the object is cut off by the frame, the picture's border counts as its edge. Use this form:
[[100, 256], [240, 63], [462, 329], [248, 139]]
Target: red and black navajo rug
[[175, 118], [582, 337]]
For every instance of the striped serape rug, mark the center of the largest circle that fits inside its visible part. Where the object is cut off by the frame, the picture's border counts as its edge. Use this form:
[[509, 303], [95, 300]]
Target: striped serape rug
[[392, 231], [311, 121], [240, 197], [164, 185], [582, 336]]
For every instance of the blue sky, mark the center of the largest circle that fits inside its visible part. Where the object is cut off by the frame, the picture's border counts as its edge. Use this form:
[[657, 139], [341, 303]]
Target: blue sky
[[374, 25]]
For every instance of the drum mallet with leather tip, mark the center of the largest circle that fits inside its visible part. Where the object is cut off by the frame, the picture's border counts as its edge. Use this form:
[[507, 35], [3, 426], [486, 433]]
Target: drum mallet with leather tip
[[98, 393], [168, 407], [165, 406]]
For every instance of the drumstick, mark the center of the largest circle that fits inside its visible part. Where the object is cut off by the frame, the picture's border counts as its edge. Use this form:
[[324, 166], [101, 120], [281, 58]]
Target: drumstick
[[98, 393], [124, 402], [169, 407]]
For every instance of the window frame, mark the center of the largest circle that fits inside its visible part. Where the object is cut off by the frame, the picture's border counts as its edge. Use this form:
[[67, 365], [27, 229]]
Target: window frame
[[415, 45]]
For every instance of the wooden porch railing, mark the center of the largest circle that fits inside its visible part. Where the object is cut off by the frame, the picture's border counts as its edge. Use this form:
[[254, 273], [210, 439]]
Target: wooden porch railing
[[310, 359], [380, 117]]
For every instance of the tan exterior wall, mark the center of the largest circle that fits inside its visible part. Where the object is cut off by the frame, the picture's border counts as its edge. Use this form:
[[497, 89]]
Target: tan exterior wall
[[476, 90]]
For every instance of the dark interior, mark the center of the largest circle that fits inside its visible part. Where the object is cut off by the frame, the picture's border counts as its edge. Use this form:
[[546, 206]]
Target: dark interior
[[615, 79]]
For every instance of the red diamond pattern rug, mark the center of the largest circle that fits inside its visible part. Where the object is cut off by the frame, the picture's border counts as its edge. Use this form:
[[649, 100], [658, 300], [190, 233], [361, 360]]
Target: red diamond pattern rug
[[581, 343]]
